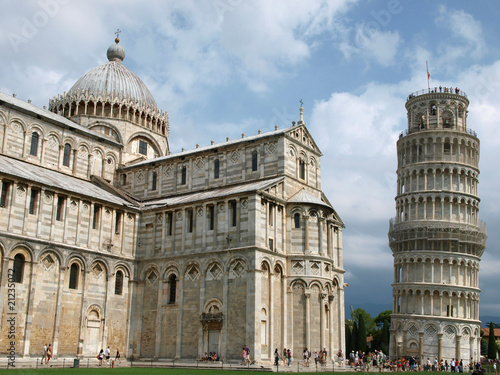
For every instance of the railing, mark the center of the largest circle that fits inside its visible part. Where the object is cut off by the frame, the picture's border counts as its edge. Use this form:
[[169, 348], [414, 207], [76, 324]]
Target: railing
[[440, 89], [406, 132]]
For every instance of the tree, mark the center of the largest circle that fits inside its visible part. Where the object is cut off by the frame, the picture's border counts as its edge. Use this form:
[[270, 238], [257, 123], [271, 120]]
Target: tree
[[348, 341], [354, 337], [384, 341], [361, 333], [492, 345], [382, 317], [369, 322]]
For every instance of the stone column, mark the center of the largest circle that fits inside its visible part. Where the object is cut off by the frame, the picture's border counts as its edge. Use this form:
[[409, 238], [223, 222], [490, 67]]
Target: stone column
[[306, 233], [29, 309], [440, 345], [178, 353], [322, 320], [308, 319], [57, 320], [421, 347], [321, 221], [457, 349]]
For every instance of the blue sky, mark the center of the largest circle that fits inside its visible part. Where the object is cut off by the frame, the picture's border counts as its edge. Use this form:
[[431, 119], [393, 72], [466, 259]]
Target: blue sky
[[225, 67]]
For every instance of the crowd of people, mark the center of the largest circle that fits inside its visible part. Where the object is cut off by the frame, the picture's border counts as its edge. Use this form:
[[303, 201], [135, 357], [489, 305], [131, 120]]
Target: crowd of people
[[319, 356], [213, 356]]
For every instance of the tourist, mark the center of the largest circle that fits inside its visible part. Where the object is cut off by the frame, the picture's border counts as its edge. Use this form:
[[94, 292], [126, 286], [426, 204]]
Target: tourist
[[243, 355], [100, 356], [44, 354], [276, 357], [285, 358], [117, 357], [49, 355]]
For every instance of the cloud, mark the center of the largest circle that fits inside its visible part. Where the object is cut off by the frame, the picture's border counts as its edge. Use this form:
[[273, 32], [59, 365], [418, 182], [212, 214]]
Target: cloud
[[463, 27]]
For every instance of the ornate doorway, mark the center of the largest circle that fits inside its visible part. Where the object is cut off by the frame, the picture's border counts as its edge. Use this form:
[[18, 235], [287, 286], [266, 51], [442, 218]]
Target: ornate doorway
[[211, 321]]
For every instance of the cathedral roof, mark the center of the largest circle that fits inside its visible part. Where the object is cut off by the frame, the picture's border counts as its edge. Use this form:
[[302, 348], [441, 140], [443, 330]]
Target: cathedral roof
[[211, 194], [303, 196], [47, 177]]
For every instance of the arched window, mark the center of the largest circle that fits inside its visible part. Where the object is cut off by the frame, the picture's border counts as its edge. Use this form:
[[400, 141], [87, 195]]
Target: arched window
[[18, 268], [172, 289], [302, 169], [67, 154], [296, 220], [254, 161], [73, 276], [216, 168], [119, 283], [34, 144], [183, 175]]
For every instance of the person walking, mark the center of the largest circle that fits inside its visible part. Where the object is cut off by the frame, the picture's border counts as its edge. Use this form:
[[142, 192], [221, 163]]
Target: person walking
[[100, 356], [44, 354], [276, 357], [243, 356], [49, 354]]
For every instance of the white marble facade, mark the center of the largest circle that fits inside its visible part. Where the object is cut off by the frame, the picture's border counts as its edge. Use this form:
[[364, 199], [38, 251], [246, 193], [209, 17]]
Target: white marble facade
[[436, 237]]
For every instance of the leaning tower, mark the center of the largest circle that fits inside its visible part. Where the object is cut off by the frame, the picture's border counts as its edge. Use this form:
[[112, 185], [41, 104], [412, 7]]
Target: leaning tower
[[436, 237]]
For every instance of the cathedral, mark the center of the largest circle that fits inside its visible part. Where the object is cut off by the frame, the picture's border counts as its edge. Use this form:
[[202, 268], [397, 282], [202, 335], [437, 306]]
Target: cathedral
[[109, 239]]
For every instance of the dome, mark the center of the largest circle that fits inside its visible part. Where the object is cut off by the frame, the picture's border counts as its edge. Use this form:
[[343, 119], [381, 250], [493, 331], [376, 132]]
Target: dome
[[114, 80], [112, 90]]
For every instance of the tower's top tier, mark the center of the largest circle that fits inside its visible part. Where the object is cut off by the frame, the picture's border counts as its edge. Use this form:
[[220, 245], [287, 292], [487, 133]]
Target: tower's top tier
[[439, 108]]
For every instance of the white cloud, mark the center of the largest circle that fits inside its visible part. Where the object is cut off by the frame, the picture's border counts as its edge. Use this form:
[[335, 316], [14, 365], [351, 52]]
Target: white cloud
[[463, 26]]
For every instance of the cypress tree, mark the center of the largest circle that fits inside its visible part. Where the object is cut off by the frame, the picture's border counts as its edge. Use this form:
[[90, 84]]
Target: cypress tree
[[354, 336], [361, 334], [348, 341], [492, 345]]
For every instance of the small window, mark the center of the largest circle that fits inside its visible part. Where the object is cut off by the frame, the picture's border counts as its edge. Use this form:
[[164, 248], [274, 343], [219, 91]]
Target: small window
[[296, 220], [271, 244], [96, 218], [33, 202], [67, 154], [233, 213], [183, 175], [190, 219], [216, 168], [119, 283], [170, 223], [18, 268], [61, 201], [118, 222], [254, 161], [302, 169], [172, 280], [211, 217], [73, 276], [143, 147], [433, 110], [124, 179], [4, 194], [153, 181], [34, 144]]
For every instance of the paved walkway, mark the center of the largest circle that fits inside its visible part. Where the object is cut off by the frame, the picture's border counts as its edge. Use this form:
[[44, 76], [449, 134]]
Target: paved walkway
[[69, 362]]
